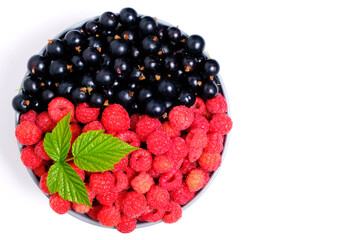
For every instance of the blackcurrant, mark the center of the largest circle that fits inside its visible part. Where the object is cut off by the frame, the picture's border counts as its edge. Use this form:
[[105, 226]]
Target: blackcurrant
[[37, 65], [65, 88], [94, 42], [97, 100], [128, 17], [109, 94], [171, 63], [21, 103], [74, 39], [92, 28], [105, 78], [186, 97], [91, 56], [128, 35], [55, 49], [152, 63], [78, 64], [192, 80], [108, 21], [47, 95], [147, 25], [144, 94], [210, 89], [188, 63], [119, 48], [150, 44], [122, 66], [87, 81], [155, 108], [173, 34], [105, 60], [31, 86], [210, 67], [167, 88], [125, 97], [58, 69], [195, 44], [80, 95]]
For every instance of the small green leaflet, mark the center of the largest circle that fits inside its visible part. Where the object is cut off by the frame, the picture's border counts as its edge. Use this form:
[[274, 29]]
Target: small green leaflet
[[95, 151], [57, 143]]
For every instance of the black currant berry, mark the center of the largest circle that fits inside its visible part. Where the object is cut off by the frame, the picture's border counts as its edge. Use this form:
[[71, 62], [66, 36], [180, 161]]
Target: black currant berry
[[87, 81], [91, 56], [195, 44], [37, 105], [78, 64], [167, 88], [155, 108], [97, 100], [92, 28], [171, 63], [37, 65], [105, 60], [143, 95], [152, 63], [58, 69], [105, 78], [173, 34], [122, 66], [31, 86], [119, 48], [150, 44], [125, 97], [147, 25], [47, 95], [210, 89], [128, 35], [94, 42], [80, 95], [108, 21], [186, 97], [188, 63], [21, 103], [109, 94], [65, 88], [210, 67], [74, 39], [128, 17], [55, 49]]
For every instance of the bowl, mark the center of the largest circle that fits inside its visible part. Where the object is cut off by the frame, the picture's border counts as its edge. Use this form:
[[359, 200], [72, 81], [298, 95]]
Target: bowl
[[140, 224]]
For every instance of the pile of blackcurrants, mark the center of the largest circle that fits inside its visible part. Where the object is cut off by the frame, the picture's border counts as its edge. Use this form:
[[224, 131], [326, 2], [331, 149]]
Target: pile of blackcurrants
[[124, 58]]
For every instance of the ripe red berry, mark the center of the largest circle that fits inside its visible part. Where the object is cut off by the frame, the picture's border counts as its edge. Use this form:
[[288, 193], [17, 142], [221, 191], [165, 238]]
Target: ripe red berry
[[29, 158], [181, 117], [27, 133], [58, 204], [59, 107], [115, 118], [158, 142], [85, 114]]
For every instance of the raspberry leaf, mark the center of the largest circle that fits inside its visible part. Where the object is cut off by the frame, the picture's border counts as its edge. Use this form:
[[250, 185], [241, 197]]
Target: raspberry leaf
[[57, 143], [95, 151], [63, 179]]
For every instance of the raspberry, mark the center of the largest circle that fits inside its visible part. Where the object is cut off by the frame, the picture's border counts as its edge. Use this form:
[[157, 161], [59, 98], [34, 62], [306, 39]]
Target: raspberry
[[27, 133], [152, 173], [207, 114], [30, 116], [169, 130], [209, 161], [200, 122], [181, 117], [154, 215], [40, 170], [107, 198], [75, 131], [85, 114], [170, 180], [215, 143], [145, 126], [126, 224], [133, 121], [173, 212], [43, 183], [121, 181], [40, 151], [78, 170], [196, 179], [194, 154], [121, 165], [60, 107], [58, 204], [93, 212], [198, 107], [158, 142], [220, 123], [101, 182], [162, 164], [196, 138], [44, 122], [179, 149], [182, 195], [115, 118], [217, 104], [109, 216], [81, 208], [178, 163], [142, 182], [129, 137], [29, 158], [157, 197], [187, 166], [140, 160], [130, 173], [119, 200], [94, 125], [134, 204]]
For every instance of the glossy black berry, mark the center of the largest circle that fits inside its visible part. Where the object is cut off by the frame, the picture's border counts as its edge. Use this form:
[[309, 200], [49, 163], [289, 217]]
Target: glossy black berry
[[189, 63], [55, 49], [173, 34], [74, 39], [171, 63], [78, 64], [47, 95], [147, 25], [119, 48], [65, 88], [169, 104], [122, 66], [37, 65], [152, 63], [21, 103], [92, 28], [128, 17], [128, 35], [91, 56], [97, 100], [109, 94], [186, 97], [167, 88], [31, 86], [210, 89], [104, 77], [150, 44], [95, 42], [58, 69], [192, 80], [80, 95], [144, 94], [105, 60], [195, 44], [125, 97], [108, 21], [37, 105], [155, 108], [87, 81], [210, 67]]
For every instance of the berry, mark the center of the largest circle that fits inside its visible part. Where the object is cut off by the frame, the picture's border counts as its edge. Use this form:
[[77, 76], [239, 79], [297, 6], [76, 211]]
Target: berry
[[119, 48], [134, 204], [91, 56], [47, 95], [142, 183], [109, 216], [154, 215], [215, 143], [209, 89], [170, 180], [31, 86], [44, 122], [162, 164], [94, 125], [29, 158], [59, 107], [155, 108], [120, 199], [147, 25], [186, 97], [126, 224], [77, 64], [129, 137], [115, 118], [196, 138], [198, 107], [40, 151], [145, 126], [21, 103], [107, 198], [74, 39], [58, 69], [81, 208], [27, 133], [92, 28], [169, 130], [181, 117], [157, 197], [93, 212], [158, 142], [108, 21], [210, 67], [121, 181], [188, 63], [140, 160], [85, 114], [167, 88], [150, 44], [122, 66], [178, 150], [43, 183], [187, 166], [105, 78], [182, 194], [66, 88], [200, 122], [58, 204], [209, 161], [195, 44], [173, 212], [37, 65], [101, 182], [40, 170], [194, 154], [196, 179], [55, 49], [125, 97], [97, 100], [217, 105], [220, 123], [173, 34], [128, 17], [78, 170], [29, 116]]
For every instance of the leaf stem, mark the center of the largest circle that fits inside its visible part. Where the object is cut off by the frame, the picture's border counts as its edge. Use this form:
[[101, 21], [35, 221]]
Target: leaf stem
[[69, 159]]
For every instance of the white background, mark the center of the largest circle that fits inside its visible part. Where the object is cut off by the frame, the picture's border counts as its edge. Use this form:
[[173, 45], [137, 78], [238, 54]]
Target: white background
[[291, 69]]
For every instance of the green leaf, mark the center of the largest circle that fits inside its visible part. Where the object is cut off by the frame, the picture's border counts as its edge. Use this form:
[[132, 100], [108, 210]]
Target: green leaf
[[95, 151], [57, 143], [63, 179]]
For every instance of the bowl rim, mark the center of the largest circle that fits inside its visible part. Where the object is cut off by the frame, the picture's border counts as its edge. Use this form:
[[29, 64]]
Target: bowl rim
[[198, 194]]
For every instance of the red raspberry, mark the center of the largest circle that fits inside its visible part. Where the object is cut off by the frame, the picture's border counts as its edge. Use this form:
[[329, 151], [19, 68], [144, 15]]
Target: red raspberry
[[44, 122], [145, 126], [109, 216], [215, 143], [179, 149], [196, 179], [94, 125], [209, 161], [58, 204], [129, 137], [173, 212], [30, 116], [182, 195], [107, 198], [126, 224], [75, 131], [194, 154], [220, 123], [85, 114], [93, 212], [170, 180], [29, 158], [181, 117], [169, 130], [200, 122], [187, 166], [142, 182], [157, 197], [43, 183], [130, 173], [120, 199], [177, 164], [198, 107], [196, 138], [207, 114], [121, 181], [158, 142], [162, 164], [133, 121], [60, 107], [101, 182], [40, 151], [217, 104], [122, 164], [81, 208], [78, 170], [152, 173], [140, 160], [115, 118], [40, 170], [154, 215], [27, 133], [134, 204]]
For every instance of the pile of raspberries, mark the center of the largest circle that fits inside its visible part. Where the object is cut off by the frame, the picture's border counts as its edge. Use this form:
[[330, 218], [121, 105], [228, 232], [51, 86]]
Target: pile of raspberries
[[177, 157]]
